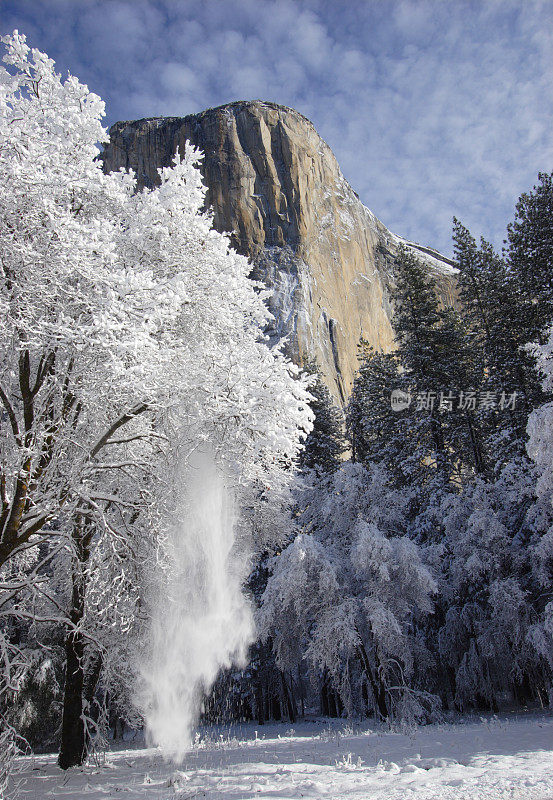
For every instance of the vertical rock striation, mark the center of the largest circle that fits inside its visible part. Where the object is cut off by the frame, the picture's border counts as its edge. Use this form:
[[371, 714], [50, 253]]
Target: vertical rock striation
[[276, 187]]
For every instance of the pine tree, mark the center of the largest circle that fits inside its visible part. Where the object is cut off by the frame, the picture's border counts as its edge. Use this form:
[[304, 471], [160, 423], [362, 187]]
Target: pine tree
[[416, 323], [436, 434], [374, 429], [530, 251], [501, 321], [462, 372], [416, 317], [325, 444], [436, 353], [492, 303]]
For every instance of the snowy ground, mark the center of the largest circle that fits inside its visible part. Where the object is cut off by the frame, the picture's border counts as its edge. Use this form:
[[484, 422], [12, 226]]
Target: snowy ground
[[491, 758]]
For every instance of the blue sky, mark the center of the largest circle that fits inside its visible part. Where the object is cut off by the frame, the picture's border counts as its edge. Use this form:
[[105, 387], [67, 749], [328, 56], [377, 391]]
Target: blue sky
[[433, 108]]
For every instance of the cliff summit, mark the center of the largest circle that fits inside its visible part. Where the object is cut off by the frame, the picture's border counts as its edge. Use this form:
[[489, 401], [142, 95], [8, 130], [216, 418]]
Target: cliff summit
[[276, 187]]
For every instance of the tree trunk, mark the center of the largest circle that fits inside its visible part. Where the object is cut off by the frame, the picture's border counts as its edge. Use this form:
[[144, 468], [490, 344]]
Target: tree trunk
[[259, 702], [74, 747], [324, 696], [365, 696], [276, 710], [288, 692], [301, 691], [378, 688], [476, 451], [332, 709], [91, 678]]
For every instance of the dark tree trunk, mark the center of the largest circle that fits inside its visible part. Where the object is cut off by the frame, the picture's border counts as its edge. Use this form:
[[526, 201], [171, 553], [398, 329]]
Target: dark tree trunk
[[523, 690], [276, 711], [377, 686], [339, 704], [91, 678], [365, 696], [289, 698], [74, 747], [324, 696], [302, 691], [476, 451], [448, 698], [259, 703], [332, 710]]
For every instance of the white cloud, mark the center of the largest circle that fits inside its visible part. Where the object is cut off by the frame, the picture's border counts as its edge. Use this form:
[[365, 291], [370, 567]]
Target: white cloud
[[432, 108]]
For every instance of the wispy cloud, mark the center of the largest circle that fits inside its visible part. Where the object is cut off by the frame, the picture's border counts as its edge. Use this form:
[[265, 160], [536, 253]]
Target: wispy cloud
[[433, 108]]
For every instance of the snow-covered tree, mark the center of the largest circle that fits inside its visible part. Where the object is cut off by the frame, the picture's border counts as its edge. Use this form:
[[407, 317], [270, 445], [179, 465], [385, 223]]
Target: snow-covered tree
[[483, 560], [131, 334], [346, 592], [540, 449]]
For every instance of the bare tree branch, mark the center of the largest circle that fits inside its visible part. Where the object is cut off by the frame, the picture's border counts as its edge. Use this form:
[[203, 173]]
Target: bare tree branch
[[130, 415], [11, 415]]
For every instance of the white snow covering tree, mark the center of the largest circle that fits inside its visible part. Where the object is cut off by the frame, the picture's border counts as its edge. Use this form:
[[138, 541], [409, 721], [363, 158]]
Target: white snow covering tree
[[347, 592], [480, 554], [540, 449], [131, 334]]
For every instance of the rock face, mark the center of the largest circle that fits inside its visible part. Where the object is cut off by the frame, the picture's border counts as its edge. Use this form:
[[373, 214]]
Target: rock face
[[275, 185]]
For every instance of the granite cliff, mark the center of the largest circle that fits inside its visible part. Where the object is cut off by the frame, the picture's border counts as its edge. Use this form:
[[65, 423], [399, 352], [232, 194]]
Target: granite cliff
[[276, 186]]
